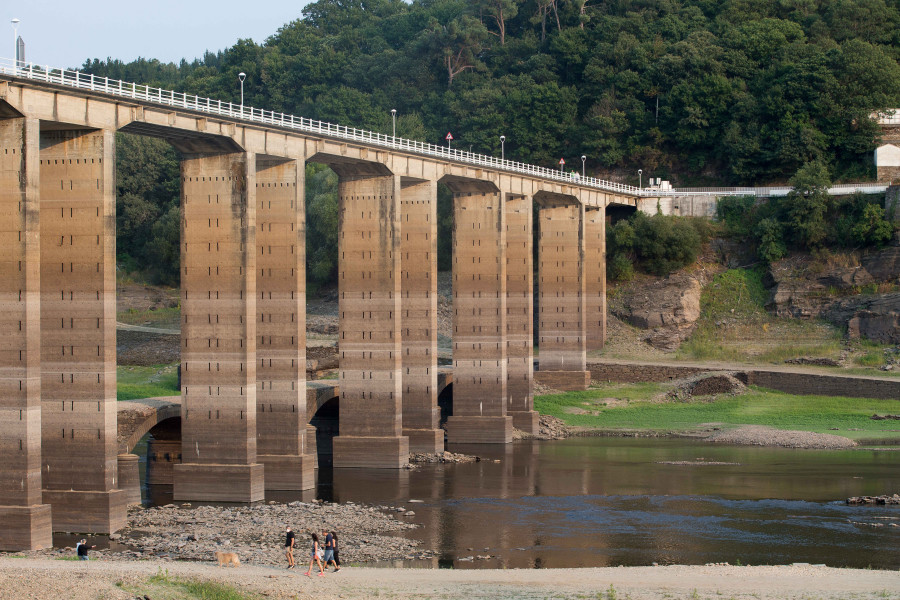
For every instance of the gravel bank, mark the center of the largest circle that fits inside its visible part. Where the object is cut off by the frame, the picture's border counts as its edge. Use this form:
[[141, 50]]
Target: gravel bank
[[27, 579], [757, 435], [256, 533]]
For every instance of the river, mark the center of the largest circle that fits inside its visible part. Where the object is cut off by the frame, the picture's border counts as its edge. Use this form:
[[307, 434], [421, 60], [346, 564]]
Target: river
[[595, 502]]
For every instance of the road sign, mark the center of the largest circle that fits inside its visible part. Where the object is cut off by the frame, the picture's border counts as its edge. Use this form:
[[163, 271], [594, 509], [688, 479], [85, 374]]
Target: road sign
[[449, 136], [562, 161]]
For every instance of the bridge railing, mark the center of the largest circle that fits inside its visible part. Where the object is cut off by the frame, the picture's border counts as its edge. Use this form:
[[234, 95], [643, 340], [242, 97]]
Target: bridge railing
[[114, 87]]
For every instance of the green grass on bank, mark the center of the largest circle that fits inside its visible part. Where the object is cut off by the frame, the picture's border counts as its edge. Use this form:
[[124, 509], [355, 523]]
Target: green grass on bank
[[162, 586], [629, 407], [147, 382], [734, 325]]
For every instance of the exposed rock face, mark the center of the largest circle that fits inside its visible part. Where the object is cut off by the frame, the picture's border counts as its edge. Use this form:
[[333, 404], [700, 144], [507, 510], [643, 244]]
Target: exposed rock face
[[670, 307], [798, 293], [876, 317]]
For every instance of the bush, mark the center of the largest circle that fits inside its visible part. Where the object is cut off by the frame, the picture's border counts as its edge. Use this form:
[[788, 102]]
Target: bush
[[664, 244], [736, 213]]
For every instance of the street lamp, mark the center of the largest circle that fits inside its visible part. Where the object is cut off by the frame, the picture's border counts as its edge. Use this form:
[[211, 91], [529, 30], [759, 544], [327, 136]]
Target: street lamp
[[15, 24], [394, 119], [502, 147], [583, 158], [640, 179], [242, 76]]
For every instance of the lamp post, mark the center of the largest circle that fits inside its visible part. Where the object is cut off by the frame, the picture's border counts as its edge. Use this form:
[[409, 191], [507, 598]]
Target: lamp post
[[502, 147], [640, 179], [242, 76], [15, 24], [583, 158], [394, 120]]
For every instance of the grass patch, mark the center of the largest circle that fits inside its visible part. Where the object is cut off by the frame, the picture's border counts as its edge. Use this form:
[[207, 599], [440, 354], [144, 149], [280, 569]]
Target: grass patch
[[872, 358], [734, 325], [135, 382], [162, 318], [820, 414], [167, 587]]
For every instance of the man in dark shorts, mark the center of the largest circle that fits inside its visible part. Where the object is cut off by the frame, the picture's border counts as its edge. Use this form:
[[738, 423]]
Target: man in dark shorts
[[289, 547]]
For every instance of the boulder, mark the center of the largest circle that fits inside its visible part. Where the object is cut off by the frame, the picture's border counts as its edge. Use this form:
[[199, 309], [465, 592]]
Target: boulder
[[674, 300], [669, 307]]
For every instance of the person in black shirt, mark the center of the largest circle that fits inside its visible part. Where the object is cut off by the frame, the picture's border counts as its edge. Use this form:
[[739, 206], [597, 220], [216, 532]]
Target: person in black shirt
[[289, 547], [334, 543], [81, 549]]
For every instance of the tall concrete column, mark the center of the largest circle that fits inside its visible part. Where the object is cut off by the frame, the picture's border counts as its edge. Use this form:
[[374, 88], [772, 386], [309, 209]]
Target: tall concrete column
[[371, 400], [479, 317], [418, 309], [218, 353], [78, 330], [24, 519], [595, 276], [562, 331], [520, 314], [281, 326]]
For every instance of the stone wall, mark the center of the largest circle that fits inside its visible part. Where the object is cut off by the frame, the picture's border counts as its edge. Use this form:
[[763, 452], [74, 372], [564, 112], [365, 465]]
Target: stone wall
[[791, 382]]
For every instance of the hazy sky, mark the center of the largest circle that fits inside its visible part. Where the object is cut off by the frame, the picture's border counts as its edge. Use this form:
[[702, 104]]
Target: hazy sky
[[64, 33]]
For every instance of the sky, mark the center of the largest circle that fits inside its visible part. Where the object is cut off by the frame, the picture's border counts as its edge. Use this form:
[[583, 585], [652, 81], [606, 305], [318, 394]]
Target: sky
[[65, 33]]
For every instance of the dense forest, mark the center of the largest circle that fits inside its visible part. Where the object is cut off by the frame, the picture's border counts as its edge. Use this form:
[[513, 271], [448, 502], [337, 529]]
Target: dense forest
[[695, 91]]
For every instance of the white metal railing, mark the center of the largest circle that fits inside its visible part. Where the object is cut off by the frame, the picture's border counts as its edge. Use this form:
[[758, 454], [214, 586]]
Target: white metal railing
[[144, 93], [889, 117]]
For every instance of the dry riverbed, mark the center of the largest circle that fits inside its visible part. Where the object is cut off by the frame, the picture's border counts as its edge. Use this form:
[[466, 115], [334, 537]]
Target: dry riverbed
[[107, 579], [256, 533]]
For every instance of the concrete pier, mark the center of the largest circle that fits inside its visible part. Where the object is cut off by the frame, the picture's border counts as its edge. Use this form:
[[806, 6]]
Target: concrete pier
[[218, 354], [479, 316], [562, 296], [281, 326], [418, 309], [595, 277], [369, 304], [78, 330], [24, 518], [519, 313]]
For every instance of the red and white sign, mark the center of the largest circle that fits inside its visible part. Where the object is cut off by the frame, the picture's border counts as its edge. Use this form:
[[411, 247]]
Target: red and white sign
[[449, 136], [562, 161]]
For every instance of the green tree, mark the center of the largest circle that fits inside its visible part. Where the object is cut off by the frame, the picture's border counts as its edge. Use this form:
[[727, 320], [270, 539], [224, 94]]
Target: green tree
[[807, 204]]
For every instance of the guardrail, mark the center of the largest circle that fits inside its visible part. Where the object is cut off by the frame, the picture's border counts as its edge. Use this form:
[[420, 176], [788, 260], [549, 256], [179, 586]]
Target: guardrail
[[114, 87], [144, 93]]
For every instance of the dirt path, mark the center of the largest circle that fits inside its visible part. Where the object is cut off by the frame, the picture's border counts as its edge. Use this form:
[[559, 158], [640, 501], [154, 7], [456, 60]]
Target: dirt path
[[22, 579]]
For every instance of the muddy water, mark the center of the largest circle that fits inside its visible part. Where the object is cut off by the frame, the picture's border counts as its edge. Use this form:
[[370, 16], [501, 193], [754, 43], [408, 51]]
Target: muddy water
[[591, 502]]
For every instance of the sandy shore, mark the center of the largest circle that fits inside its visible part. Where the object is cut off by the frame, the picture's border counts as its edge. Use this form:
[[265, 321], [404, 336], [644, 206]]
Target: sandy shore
[[30, 578]]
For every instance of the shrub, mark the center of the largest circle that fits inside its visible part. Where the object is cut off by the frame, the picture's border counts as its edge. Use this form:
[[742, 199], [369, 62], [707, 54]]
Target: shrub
[[736, 213], [663, 244]]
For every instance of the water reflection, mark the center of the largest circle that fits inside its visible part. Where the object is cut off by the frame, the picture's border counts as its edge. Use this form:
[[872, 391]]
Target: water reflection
[[603, 502]]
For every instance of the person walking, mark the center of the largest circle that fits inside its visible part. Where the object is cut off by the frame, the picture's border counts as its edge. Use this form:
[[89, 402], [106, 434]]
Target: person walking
[[329, 549], [315, 558], [334, 544], [289, 547]]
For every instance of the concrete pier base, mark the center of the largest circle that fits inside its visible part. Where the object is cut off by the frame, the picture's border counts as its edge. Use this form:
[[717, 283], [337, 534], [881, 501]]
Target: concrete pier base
[[87, 512], [130, 478], [480, 430], [371, 452], [25, 527], [288, 472], [430, 441], [219, 483], [569, 381], [527, 421]]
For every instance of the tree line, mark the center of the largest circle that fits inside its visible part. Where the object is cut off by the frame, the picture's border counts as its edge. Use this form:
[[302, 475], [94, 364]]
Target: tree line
[[696, 91]]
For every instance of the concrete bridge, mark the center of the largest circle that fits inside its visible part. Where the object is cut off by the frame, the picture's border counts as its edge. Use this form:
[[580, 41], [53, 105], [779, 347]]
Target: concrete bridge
[[243, 406]]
